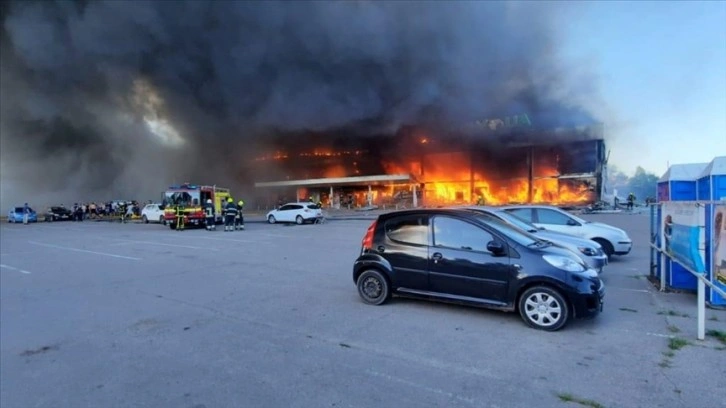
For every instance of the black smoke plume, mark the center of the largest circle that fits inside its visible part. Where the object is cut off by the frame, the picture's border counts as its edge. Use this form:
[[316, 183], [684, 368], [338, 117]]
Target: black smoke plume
[[115, 99]]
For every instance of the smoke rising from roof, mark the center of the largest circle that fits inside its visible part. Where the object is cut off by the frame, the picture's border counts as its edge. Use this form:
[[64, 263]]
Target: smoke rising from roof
[[109, 100]]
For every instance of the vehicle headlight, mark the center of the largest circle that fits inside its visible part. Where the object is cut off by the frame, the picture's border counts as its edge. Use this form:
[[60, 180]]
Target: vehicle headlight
[[588, 251], [564, 263]]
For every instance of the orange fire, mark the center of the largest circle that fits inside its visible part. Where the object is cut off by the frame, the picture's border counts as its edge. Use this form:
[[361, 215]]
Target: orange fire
[[451, 181]]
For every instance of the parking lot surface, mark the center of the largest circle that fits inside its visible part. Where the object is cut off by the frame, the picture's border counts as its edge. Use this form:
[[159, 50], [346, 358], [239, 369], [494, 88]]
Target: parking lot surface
[[99, 314]]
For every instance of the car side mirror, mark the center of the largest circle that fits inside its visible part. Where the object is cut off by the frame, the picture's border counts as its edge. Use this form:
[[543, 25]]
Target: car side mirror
[[496, 247], [572, 223]]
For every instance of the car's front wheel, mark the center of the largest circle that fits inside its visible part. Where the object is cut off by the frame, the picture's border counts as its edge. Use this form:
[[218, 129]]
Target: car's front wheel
[[161, 220], [607, 247], [373, 287], [145, 220], [299, 220], [543, 308], [271, 219]]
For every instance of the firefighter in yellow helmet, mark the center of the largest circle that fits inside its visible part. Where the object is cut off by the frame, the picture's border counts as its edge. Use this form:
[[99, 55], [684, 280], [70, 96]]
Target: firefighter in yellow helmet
[[179, 212], [240, 221], [230, 213]]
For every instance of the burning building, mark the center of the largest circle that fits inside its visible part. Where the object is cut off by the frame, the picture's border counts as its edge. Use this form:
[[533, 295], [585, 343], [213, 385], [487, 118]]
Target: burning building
[[491, 162]]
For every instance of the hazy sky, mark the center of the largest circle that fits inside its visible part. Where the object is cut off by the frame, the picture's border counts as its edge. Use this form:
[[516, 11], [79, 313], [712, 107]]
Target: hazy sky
[[661, 67]]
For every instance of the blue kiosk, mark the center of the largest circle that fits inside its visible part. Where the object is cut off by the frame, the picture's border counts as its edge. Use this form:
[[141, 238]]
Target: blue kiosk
[[704, 186], [679, 183], [712, 191]]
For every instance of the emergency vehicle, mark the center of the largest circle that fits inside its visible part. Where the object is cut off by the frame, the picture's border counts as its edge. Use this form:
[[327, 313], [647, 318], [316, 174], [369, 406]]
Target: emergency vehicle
[[192, 198]]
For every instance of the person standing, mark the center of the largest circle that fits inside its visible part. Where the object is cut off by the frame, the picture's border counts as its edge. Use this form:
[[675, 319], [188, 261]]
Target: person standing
[[209, 215], [230, 213], [26, 213], [631, 201], [122, 210], [240, 221], [179, 217]]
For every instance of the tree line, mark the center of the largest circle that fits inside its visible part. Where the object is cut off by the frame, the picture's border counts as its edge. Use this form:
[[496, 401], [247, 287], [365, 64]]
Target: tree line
[[643, 183]]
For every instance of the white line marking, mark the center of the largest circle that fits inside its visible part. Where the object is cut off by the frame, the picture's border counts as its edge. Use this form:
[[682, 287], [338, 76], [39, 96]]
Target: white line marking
[[20, 253], [423, 387], [226, 239], [84, 251], [627, 289], [129, 241], [665, 336], [12, 268]]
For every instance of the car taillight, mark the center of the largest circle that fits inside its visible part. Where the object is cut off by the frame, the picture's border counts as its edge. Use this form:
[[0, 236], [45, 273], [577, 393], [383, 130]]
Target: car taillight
[[368, 238]]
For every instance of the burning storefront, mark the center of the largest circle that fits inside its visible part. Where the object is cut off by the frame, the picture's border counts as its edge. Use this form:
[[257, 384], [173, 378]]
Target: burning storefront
[[488, 163]]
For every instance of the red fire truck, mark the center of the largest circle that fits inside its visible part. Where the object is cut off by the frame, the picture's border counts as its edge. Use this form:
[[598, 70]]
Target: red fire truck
[[191, 199]]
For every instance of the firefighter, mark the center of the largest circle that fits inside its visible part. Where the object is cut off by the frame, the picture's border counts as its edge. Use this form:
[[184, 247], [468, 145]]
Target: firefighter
[[209, 215], [179, 217], [230, 213], [631, 201], [240, 220], [480, 200], [122, 209]]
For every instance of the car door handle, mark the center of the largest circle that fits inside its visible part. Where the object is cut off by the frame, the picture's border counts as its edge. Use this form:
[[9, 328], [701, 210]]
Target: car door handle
[[381, 248], [437, 257]]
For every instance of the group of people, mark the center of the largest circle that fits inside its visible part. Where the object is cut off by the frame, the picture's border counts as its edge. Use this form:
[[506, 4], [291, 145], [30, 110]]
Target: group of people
[[122, 209], [231, 213]]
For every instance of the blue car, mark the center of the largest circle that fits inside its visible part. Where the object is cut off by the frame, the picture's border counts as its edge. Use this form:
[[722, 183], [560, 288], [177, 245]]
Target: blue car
[[16, 215]]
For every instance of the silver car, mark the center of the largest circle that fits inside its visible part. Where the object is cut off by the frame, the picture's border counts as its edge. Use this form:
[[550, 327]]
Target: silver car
[[589, 251]]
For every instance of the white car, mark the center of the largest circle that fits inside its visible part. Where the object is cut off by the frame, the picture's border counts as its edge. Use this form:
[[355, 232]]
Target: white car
[[152, 213], [614, 241], [589, 251], [298, 213]]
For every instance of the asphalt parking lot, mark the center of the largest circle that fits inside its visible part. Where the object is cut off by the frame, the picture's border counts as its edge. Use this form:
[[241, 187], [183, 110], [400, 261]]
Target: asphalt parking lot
[[100, 314]]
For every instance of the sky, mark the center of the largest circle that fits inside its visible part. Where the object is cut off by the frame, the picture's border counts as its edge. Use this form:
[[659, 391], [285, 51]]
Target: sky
[[661, 70]]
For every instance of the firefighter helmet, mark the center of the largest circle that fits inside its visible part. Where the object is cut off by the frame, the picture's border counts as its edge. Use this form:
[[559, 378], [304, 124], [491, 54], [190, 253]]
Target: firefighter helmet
[[209, 201], [240, 202], [230, 200]]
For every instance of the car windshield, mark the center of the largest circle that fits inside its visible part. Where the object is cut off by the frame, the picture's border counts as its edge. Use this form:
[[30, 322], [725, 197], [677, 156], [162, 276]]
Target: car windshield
[[517, 234], [313, 206], [22, 209]]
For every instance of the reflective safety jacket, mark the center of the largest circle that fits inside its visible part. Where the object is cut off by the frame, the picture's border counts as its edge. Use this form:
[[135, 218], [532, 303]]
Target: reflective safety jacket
[[209, 210], [230, 209]]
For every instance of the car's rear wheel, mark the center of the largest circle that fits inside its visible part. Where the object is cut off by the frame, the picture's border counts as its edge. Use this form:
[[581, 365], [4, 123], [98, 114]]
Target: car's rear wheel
[[161, 220], [271, 219], [144, 219], [544, 308], [299, 220], [373, 288], [607, 247]]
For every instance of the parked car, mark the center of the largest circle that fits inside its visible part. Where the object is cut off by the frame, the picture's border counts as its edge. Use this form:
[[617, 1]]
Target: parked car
[[16, 215], [58, 214], [298, 213], [589, 251], [464, 257], [152, 213], [614, 241]]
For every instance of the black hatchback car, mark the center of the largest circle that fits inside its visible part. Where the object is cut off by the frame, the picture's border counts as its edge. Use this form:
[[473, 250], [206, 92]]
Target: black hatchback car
[[464, 257]]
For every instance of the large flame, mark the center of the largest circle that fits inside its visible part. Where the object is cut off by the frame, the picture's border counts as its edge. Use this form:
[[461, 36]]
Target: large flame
[[444, 178], [452, 181]]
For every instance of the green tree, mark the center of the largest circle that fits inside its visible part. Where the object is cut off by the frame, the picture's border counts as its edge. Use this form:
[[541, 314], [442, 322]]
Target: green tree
[[642, 184]]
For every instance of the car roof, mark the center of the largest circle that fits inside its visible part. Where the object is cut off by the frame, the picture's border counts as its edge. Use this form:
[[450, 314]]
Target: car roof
[[427, 211], [301, 203], [530, 206]]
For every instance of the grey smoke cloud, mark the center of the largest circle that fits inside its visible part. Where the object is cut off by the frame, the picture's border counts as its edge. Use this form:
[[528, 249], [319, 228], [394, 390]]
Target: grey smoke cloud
[[80, 80]]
